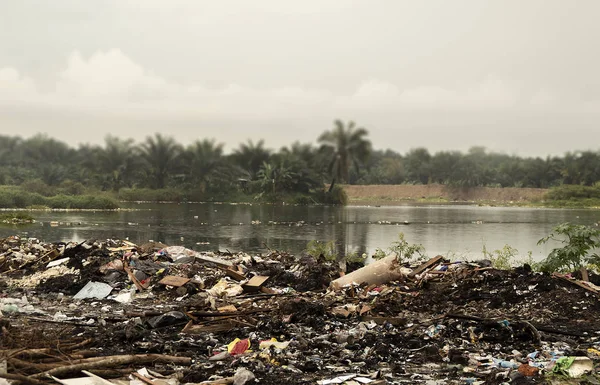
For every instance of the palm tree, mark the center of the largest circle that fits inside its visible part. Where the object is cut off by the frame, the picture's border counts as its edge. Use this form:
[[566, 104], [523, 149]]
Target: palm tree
[[302, 151], [117, 162], [161, 155], [205, 159], [348, 147], [250, 157]]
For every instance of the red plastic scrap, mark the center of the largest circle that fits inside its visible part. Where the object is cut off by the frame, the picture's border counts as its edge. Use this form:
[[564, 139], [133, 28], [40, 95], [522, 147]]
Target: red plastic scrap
[[240, 347]]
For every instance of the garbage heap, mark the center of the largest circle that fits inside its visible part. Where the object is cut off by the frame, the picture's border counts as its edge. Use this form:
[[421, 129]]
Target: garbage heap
[[112, 312]]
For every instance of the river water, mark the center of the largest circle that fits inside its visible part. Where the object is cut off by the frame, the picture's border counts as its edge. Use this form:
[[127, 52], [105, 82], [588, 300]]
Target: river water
[[451, 230]]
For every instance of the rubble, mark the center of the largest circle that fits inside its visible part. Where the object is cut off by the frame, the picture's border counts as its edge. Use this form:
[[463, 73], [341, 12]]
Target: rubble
[[101, 312]]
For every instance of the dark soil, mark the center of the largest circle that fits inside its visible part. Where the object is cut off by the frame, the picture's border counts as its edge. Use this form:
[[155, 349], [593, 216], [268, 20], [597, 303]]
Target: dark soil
[[407, 330]]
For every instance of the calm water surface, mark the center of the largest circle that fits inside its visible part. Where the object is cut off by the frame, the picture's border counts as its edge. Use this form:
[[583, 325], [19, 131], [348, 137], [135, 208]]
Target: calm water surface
[[446, 230]]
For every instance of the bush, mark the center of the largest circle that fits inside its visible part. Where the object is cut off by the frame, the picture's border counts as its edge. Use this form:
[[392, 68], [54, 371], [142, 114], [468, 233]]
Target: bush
[[326, 249], [69, 187], [501, 259], [37, 186], [82, 202], [337, 196], [579, 242], [302, 199], [16, 218], [567, 192], [15, 197]]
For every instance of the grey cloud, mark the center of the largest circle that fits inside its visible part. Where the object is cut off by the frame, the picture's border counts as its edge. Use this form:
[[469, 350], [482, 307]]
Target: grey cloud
[[511, 75]]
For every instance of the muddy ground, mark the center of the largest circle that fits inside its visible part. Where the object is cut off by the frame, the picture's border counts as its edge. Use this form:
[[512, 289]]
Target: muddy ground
[[388, 194]]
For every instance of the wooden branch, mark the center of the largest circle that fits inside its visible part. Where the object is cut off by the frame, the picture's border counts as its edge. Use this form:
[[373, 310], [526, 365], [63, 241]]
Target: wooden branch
[[220, 381], [79, 345], [113, 361], [227, 313], [424, 266], [37, 319], [133, 278], [143, 379], [533, 330], [44, 352], [22, 379]]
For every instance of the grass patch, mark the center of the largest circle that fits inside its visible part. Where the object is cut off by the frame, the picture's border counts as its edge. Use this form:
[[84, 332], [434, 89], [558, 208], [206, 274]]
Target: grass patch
[[17, 198], [16, 217], [150, 195]]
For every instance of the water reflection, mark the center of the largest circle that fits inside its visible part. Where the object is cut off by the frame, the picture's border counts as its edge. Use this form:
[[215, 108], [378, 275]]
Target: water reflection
[[441, 229]]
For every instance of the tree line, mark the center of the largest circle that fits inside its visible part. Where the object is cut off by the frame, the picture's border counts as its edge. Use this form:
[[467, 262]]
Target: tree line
[[343, 154]]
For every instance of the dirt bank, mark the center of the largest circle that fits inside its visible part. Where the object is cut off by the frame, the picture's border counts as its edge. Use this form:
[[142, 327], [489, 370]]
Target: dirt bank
[[387, 194]]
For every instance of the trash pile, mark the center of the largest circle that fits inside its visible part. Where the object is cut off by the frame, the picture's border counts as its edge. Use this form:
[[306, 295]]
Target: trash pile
[[112, 312]]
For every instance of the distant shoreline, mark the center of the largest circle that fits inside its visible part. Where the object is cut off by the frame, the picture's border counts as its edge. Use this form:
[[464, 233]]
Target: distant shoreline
[[566, 196], [440, 194]]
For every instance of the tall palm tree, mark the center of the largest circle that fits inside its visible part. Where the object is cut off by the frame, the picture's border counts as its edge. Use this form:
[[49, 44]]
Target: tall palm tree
[[302, 151], [250, 157], [205, 160], [348, 147], [161, 154], [117, 162]]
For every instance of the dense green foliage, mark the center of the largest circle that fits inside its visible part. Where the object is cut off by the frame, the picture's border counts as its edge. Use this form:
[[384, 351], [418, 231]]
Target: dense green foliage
[[159, 168], [580, 245], [566, 192], [43, 171], [478, 167], [17, 197]]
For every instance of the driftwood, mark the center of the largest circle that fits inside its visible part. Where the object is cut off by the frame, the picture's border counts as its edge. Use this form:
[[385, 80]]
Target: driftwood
[[133, 278], [424, 266], [57, 363], [113, 361], [37, 319], [45, 352], [382, 271], [576, 282], [22, 379], [220, 381], [227, 313], [197, 313]]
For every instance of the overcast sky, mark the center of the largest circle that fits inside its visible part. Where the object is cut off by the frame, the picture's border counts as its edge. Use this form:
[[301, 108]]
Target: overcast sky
[[517, 76]]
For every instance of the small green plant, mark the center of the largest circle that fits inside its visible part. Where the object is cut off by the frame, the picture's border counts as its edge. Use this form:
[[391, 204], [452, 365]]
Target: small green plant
[[507, 257], [535, 266], [456, 256], [326, 249], [403, 250], [353, 257], [379, 254], [501, 259], [579, 243]]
